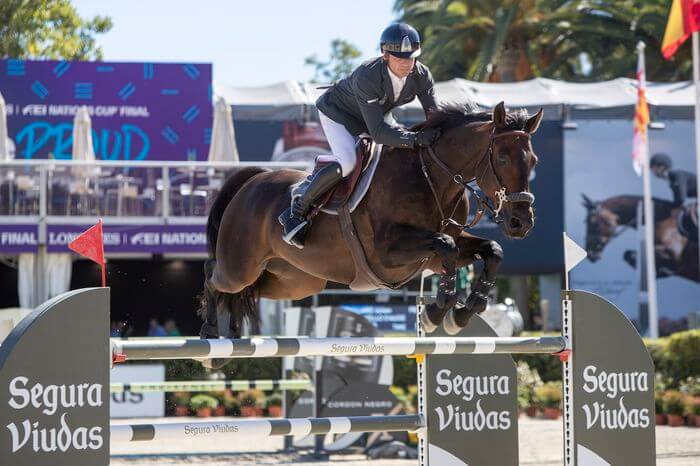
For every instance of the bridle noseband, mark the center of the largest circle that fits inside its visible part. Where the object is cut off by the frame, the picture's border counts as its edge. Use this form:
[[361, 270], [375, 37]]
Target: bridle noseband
[[483, 203]]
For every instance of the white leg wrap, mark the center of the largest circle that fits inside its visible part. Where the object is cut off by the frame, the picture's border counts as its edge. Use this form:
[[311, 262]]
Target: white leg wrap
[[449, 324]]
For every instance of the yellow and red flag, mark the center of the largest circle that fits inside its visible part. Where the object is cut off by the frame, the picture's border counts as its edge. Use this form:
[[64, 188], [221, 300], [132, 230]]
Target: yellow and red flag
[[641, 117], [683, 20]]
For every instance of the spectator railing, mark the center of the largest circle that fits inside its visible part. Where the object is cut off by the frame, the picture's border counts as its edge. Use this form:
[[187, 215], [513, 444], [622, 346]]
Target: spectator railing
[[143, 192]]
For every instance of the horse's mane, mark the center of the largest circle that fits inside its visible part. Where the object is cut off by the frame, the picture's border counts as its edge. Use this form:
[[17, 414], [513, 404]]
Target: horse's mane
[[451, 116]]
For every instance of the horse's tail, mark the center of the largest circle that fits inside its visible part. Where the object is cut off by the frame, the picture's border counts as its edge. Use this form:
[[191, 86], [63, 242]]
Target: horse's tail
[[232, 185], [241, 306]]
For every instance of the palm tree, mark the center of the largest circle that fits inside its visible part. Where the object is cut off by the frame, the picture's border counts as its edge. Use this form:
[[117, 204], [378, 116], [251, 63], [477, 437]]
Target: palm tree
[[509, 40]]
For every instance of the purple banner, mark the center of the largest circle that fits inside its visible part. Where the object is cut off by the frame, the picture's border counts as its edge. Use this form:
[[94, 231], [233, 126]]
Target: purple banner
[[154, 239], [17, 238], [140, 111]]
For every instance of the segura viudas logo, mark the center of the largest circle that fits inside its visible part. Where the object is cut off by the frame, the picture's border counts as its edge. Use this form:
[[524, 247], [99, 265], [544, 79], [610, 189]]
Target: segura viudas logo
[[48, 427]]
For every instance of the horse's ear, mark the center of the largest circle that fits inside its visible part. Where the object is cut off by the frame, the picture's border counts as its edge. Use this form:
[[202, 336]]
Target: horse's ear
[[587, 202], [499, 115], [534, 121]]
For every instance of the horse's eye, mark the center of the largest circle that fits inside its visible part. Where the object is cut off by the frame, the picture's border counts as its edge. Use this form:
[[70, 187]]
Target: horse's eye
[[502, 159]]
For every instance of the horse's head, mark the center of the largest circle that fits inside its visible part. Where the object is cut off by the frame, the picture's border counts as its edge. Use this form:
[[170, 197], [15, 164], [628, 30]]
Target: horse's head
[[495, 150], [504, 170], [601, 225]]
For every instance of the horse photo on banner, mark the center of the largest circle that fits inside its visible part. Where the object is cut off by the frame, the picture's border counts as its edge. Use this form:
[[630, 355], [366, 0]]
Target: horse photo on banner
[[604, 207]]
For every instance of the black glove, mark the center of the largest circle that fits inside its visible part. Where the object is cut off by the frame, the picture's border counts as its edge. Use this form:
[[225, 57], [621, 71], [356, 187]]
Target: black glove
[[427, 137]]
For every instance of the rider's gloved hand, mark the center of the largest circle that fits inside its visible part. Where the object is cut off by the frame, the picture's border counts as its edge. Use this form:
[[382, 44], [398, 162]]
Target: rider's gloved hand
[[427, 137]]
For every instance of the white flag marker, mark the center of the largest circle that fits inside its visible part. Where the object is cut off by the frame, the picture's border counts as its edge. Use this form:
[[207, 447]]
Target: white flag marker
[[573, 254]]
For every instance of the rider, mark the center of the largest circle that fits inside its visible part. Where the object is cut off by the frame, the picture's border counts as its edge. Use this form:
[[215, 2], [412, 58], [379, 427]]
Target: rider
[[683, 183], [361, 103]]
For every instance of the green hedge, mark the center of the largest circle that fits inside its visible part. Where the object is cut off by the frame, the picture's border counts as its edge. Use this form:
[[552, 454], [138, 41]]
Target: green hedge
[[237, 369], [679, 357]]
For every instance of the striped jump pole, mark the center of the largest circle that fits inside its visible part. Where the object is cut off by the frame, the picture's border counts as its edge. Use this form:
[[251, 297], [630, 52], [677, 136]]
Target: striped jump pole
[[353, 346], [211, 386], [230, 430]]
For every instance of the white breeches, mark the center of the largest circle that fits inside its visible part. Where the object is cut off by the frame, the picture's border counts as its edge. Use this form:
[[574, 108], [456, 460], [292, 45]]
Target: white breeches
[[341, 141]]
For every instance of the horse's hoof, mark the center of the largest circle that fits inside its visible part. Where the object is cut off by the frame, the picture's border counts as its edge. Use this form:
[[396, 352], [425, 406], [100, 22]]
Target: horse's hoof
[[426, 324], [432, 316], [476, 303], [450, 325]]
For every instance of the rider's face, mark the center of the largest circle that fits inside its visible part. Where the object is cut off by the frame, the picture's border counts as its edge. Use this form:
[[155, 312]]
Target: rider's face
[[659, 170], [399, 66]]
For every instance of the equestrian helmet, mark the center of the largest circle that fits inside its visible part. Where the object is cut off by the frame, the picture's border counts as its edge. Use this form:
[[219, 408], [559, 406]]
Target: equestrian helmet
[[401, 40], [661, 159]]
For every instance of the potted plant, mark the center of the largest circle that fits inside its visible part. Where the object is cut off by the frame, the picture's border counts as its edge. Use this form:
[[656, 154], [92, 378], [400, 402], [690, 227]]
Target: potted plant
[[182, 403], [220, 409], [233, 406], [691, 409], [528, 380], [203, 404], [690, 387], [661, 419], [673, 407], [549, 396], [250, 403], [273, 405]]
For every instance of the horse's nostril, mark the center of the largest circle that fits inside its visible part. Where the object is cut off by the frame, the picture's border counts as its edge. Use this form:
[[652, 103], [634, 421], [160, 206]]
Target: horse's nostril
[[515, 223]]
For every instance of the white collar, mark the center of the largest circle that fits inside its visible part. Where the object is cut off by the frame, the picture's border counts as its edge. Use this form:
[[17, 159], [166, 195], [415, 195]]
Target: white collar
[[395, 77]]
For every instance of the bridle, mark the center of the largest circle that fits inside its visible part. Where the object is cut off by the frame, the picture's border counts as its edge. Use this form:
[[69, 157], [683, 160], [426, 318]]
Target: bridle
[[483, 203]]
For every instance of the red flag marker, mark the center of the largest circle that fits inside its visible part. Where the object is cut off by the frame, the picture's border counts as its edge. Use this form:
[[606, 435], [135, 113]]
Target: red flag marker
[[91, 245]]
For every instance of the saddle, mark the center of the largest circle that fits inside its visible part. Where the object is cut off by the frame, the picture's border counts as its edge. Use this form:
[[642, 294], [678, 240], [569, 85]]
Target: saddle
[[340, 195], [351, 189]]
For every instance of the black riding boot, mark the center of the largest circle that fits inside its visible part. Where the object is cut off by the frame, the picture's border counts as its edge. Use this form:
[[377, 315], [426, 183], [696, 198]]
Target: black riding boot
[[293, 220]]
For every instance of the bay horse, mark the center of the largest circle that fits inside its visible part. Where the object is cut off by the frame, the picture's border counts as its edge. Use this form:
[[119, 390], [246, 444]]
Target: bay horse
[[675, 254], [401, 222]]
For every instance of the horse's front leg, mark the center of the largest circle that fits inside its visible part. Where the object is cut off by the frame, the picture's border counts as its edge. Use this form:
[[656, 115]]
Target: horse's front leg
[[472, 248], [404, 244]]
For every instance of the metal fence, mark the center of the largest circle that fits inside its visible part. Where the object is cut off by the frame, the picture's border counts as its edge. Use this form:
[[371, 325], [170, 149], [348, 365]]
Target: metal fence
[[136, 190]]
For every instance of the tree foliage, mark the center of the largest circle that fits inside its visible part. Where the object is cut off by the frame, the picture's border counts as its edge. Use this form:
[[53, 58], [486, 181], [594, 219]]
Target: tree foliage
[[574, 40], [343, 59], [49, 29]]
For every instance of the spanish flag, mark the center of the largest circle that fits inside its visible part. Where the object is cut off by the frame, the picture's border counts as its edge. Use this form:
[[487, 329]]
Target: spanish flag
[[641, 116], [683, 20]]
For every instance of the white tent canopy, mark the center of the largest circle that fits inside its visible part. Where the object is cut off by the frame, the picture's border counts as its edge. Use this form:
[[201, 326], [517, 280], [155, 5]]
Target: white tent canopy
[[290, 99]]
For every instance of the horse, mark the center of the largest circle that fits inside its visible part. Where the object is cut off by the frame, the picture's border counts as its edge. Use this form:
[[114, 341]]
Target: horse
[[401, 223], [675, 254]]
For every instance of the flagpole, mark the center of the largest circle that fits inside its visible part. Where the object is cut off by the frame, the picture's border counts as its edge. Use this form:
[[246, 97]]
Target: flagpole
[[696, 86], [650, 250]]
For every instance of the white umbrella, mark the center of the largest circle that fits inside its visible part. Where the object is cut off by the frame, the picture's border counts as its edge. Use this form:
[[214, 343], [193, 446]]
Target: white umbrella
[[223, 139], [82, 151], [4, 143], [82, 136]]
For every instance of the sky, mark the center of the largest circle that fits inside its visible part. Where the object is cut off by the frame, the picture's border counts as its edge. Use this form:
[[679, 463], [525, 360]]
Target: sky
[[249, 42]]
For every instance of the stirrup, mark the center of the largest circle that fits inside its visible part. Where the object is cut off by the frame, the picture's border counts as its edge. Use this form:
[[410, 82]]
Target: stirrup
[[289, 237]]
